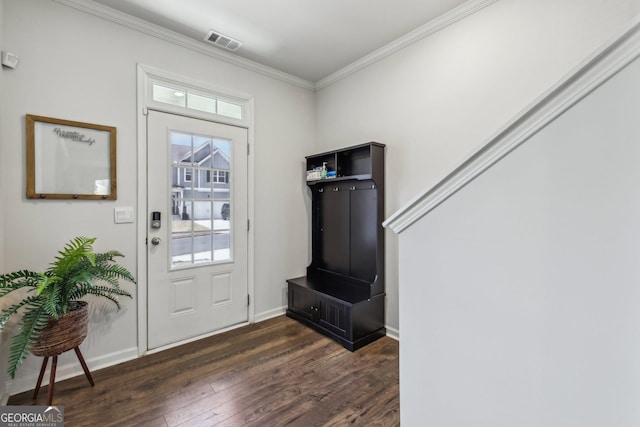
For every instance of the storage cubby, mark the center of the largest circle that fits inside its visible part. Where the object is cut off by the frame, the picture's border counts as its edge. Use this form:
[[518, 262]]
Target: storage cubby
[[355, 162], [319, 161], [342, 294]]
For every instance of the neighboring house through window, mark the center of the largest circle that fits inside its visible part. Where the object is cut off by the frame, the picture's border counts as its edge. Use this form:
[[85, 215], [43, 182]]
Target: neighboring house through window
[[200, 175], [220, 176]]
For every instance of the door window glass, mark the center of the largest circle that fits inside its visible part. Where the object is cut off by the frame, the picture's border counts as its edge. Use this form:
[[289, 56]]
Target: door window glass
[[200, 206]]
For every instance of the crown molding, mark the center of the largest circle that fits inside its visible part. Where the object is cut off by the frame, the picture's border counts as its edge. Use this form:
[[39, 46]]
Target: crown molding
[[468, 8], [593, 72], [120, 18], [156, 31]]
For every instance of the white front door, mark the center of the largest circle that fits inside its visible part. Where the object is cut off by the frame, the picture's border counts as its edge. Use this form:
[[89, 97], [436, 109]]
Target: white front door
[[197, 227]]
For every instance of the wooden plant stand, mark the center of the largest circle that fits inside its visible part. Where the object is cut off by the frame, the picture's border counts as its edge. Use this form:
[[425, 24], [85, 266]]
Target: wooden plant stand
[[61, 335], [52, 376]]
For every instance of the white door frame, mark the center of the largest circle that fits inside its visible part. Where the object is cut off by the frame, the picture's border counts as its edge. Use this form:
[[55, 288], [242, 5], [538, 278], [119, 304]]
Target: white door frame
[[144, 74]]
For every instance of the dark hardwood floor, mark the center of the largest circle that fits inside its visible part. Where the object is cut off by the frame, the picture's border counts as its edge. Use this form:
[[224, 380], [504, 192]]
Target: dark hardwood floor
[[273, 373]]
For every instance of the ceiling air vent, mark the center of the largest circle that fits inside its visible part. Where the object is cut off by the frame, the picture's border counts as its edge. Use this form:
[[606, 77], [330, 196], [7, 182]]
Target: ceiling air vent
[[223, 41]]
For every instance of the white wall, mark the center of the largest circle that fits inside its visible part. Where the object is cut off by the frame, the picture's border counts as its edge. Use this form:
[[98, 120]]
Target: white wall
[[520, 292], [79, 67], [435, 101]]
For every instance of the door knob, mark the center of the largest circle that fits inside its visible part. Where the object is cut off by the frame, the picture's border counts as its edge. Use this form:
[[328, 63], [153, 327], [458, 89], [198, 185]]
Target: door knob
[[155, 241]]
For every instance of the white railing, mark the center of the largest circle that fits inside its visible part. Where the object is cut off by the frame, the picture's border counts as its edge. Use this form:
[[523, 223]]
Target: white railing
[[594, 71]]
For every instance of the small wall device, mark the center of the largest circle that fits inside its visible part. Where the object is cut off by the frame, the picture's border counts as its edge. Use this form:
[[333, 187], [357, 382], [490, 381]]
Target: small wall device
[[155, 220], [9, 59]]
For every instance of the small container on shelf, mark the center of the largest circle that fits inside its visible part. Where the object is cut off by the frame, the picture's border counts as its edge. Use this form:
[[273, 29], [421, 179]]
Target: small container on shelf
[[320, 172], [314, 174]]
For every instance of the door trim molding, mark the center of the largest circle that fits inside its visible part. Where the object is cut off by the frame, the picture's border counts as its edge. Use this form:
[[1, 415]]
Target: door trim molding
[[144, 73]]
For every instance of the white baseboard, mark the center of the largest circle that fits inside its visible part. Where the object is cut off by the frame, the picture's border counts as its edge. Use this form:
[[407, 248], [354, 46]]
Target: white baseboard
[[266, 315], [393, 333], [72, 368]]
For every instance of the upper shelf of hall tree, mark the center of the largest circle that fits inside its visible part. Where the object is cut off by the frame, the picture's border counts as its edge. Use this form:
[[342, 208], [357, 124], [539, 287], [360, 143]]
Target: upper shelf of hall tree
[[358, 162]]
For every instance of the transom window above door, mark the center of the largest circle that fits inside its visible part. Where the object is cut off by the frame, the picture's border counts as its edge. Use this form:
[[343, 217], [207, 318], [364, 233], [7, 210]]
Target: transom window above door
[[175, 95]]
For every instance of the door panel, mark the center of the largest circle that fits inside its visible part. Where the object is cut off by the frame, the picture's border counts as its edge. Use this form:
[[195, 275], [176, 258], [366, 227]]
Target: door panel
[[334, 230], [333, 316], [363, 234], [197, 259], [302, 301]]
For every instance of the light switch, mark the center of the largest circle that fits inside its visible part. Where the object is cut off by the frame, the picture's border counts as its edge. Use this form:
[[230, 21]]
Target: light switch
[[123, 215]]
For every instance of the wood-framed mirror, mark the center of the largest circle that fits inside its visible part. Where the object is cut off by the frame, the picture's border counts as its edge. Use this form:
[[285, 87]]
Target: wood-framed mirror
[[70, 160]]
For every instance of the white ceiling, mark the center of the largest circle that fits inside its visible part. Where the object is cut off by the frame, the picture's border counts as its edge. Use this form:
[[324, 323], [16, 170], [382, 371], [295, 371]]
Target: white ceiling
[[309, 39]]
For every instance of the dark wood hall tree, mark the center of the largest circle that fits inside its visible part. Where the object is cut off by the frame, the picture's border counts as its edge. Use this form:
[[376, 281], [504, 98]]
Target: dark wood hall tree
[[343, 292]]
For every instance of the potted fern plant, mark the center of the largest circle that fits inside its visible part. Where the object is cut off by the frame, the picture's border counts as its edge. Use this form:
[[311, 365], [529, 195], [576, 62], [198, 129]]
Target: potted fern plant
[[53, 319]]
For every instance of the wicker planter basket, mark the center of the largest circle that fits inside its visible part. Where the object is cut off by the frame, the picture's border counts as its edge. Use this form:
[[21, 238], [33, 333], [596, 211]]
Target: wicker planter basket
[[64, 333]]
